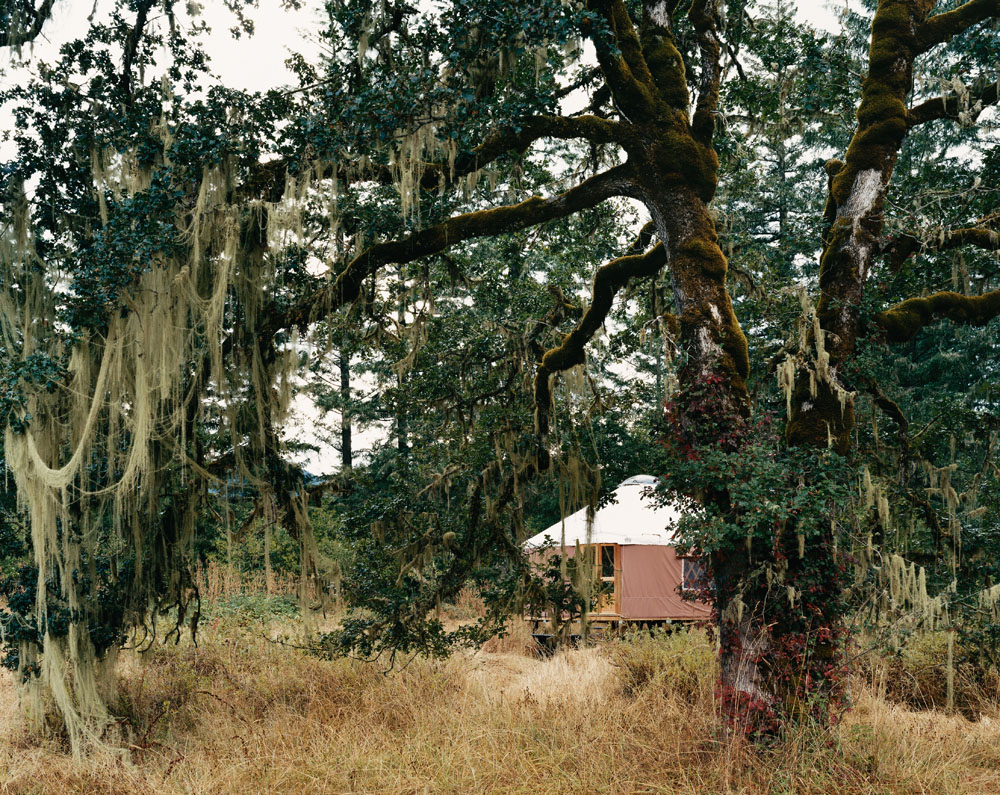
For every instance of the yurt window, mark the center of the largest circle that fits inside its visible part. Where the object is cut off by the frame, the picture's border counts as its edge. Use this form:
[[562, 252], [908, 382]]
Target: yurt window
[[606, 569], [693, 575], [607, 562]]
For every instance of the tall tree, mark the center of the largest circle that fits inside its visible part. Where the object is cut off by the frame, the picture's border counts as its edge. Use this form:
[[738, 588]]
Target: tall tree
[[161, 250]]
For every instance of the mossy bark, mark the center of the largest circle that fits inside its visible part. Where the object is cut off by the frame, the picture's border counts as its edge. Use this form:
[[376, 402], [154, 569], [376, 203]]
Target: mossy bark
[[822, 411], [677, 173], [855, 203], [903, 321]]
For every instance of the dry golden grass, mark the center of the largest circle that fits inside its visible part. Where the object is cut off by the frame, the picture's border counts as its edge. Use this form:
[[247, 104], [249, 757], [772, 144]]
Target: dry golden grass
[[217, 581], [240, 714], [916, 675]]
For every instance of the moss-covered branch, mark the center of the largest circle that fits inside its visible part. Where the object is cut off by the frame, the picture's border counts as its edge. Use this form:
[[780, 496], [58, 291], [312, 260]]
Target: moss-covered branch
[[609, 279], [903, 321], [25, 31], [616, 181], [858, 184], [664, 61], [517, 139], [702, 16], [892, 410], [950, 106], [132, 47], [562, 308], [642, 240], [268, 180], [623, 65], [901, 248], [823, 415], [943, 27]]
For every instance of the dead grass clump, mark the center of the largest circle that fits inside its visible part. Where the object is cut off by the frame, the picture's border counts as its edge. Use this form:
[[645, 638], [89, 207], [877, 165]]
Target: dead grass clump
[[927, 751], [571, 677], [156, 691], [682, 662], [917, 676], [516, 640], [468, 605]]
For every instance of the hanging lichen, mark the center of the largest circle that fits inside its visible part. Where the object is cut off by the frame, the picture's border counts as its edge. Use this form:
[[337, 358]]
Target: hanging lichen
[[134, 388], [811, 361]]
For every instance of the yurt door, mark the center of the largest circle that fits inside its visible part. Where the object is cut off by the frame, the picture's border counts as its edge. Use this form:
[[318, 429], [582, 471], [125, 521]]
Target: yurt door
[[608, 577]]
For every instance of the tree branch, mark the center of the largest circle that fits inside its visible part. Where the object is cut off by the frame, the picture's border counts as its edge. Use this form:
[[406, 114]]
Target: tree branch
[[268, 181], [642, 240], [393, 23], [943, 27], [625, 72], [702, 16], [517, 139], [616, 181], [903, 247], [609, 279], [950, 106], [12, 37], [131, 47], [587, 77], [903, 321], [561, 309], [891, 409]]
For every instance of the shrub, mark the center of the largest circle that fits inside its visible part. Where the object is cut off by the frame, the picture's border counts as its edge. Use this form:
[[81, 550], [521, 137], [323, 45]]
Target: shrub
[[252, 608], [681, 661]]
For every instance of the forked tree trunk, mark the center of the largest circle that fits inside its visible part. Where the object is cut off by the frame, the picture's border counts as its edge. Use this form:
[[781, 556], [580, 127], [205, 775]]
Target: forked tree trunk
[[773, 659], [797, 659]]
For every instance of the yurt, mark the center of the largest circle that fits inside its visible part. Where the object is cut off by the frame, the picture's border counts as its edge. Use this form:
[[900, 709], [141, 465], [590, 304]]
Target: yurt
[[634, 554]]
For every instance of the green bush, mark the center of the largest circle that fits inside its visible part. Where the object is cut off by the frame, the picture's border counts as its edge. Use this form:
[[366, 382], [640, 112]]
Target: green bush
[[252, 608]]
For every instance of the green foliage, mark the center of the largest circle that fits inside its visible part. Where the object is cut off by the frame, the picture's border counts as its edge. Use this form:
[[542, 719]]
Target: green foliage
[[253, 609]]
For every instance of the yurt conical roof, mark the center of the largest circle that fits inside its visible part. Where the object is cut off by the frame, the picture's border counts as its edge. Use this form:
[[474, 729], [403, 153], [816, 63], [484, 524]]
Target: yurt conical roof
[[634, 517]]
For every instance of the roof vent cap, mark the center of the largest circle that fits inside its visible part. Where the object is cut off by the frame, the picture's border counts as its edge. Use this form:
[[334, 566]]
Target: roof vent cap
[[640, 480]]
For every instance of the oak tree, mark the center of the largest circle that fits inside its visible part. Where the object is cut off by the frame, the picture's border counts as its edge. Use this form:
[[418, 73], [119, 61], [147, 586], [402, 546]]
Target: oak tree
[[169, 244]]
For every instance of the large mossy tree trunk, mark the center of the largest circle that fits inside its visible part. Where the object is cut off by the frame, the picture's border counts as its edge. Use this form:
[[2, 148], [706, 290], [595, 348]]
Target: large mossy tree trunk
[[823, 416], [822, 400], [800, 654], [776, 657], [677, 170]]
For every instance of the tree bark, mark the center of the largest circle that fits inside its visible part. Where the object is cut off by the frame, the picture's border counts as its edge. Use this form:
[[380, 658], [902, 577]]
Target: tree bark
[[821, 404], [345, 412]]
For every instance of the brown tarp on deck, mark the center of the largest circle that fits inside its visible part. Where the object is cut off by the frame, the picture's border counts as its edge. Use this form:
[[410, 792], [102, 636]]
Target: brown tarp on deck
[[650, 577]]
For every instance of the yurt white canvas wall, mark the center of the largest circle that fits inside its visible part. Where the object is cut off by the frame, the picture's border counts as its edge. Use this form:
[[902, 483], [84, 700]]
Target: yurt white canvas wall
[[635, 553]]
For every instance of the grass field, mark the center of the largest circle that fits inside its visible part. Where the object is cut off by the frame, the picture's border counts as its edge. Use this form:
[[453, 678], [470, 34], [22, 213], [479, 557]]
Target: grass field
[[242, 714]]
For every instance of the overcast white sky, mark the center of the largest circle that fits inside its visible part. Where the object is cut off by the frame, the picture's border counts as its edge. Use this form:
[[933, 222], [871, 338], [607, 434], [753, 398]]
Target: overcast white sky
[[257, 64]]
